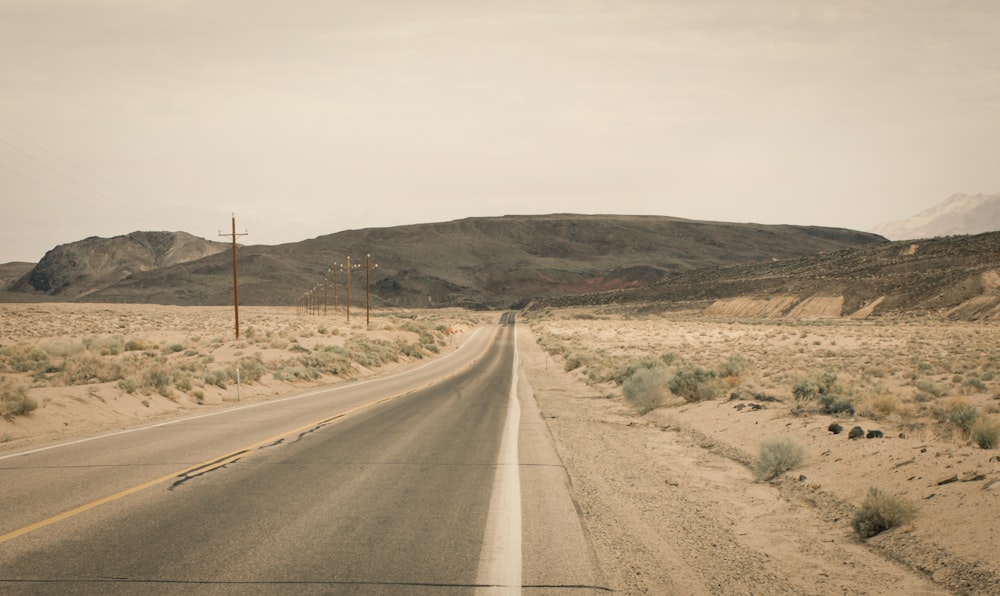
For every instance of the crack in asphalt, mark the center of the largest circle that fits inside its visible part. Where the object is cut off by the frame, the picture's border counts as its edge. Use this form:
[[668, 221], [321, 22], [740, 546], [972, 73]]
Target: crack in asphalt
[[318, 426], [211, 466], [224, 461]]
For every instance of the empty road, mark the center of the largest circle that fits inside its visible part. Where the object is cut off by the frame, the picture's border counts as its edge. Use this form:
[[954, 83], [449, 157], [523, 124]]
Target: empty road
[[437, 480]]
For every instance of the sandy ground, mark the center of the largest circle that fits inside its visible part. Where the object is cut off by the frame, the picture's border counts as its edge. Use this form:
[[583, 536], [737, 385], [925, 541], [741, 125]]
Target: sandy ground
[[187, 344], [670, 499]]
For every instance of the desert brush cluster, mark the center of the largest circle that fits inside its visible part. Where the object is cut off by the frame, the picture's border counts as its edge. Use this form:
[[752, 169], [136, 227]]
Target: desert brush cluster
[[189, 355], [921, 378]]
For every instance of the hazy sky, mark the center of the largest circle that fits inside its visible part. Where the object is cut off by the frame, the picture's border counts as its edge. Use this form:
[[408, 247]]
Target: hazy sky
[[307, 117]]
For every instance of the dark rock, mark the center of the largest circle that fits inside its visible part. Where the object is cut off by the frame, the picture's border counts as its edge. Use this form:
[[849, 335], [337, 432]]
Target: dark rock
[[875, 434], [835, 428], [856, 433]]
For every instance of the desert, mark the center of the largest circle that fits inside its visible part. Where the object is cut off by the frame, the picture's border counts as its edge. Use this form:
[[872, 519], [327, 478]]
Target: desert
[[676, 493], [84, 368], [672, 492]]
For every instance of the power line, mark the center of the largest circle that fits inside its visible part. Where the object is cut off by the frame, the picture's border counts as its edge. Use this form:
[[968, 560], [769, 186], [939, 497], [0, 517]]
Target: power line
[[66, 160], [32, 180], [59, 172]]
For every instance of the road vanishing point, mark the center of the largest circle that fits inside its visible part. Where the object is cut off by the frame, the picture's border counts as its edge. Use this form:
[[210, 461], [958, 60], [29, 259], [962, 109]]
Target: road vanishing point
[[441, 479]]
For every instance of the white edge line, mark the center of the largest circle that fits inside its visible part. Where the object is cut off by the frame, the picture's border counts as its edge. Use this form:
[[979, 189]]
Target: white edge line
[[339, 387], [500, 561]]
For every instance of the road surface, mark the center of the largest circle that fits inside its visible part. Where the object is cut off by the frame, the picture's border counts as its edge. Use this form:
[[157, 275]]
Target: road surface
[[438, 480]]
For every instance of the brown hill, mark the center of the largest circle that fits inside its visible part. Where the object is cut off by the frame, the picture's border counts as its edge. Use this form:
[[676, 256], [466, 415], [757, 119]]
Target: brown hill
[[11, 272], [482, 262], [71, 271], [957, 276]]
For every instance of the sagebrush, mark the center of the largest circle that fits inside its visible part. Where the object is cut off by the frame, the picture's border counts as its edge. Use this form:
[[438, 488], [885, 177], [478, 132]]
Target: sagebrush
[[646, 389], [694, 383], [880, 512], [986, 432], [777, 456], [14, 400]]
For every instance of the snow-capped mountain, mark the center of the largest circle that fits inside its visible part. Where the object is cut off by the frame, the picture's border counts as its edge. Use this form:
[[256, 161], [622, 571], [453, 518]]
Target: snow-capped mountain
[[960, 214]]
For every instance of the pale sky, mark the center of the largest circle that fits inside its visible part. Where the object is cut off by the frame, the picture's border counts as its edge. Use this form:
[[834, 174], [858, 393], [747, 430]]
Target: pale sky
[[307, 117]]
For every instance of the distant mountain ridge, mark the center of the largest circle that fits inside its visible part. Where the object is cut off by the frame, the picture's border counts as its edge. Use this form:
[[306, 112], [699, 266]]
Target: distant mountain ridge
[[959, 214], [79, 268], [486, 262], [956, 276]]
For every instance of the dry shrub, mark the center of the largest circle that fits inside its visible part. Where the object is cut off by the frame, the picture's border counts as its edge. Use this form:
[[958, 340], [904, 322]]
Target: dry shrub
[[14, 400], [881, 406], [251, 369], [105, 346], [60, 348], [880, 512], [824, 389], [959, 413], [84, 367], [217, 377], [734, 369], [160, 378], [135, 345], [986, 432], [24, 358], [694, 383], [130, 384], [777, 456], [646, 389], [930, 388], [623, 371], [371, 353]]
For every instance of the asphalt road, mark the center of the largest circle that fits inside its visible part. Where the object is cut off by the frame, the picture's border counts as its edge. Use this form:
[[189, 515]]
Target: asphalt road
[[439, 480]]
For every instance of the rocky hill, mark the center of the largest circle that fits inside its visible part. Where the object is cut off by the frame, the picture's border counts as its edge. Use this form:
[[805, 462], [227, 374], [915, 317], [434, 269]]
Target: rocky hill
[[957, 277], [75, 270], [960, 214], [479, 262]]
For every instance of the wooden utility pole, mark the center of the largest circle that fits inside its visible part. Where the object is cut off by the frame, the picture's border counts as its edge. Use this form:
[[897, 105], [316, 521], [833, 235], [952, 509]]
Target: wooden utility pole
[[368, 309], [236, 283], [348, 289], [336, 307], [333, 271]]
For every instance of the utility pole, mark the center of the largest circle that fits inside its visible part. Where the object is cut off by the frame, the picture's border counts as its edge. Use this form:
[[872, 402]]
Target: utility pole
[[368, 309], [333, 270], [348, 290], [236, 284]]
